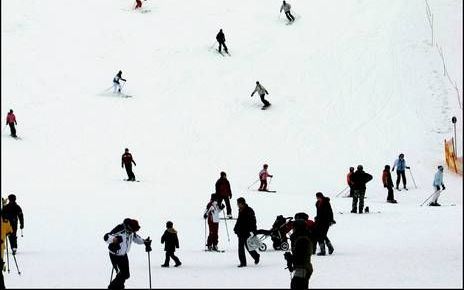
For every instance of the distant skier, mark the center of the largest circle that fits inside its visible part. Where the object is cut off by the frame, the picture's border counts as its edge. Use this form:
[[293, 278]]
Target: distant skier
[[401, 167], [222, 41], [171, 242], [263, 175], [286, 7], [437, 182], [213, 209], [224, 192], [126, 161], [120, 239], [11, 121], [13, 212], [359, 178], [388, 184], [261, 91], [348, 180], [245, 225], [117, 83], [324, 219]]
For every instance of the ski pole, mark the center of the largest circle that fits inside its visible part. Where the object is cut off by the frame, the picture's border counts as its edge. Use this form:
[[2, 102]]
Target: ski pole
[[112, 270], [342, 191], [227, 230], [7, 255], [437, 191], [149, 269], [253, 183], [21, 233], [206, 242], [413, 181], [17, 268], [270, 180]]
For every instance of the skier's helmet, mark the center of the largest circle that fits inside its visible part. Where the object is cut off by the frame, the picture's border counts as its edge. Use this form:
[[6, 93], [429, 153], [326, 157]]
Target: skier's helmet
[[360, 167]]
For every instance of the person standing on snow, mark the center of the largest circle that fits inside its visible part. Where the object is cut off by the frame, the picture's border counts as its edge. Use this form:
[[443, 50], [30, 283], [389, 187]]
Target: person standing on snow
[[13, 212], [401, 167], [127, 161], [213, 209], [222, 41], [263, 175], [120, 239], [388, 184], [261, 91], [246, 224], [11, 121], [224, 192], [324, 219], [116, 82], [359, 178], [171, 242], [348, 180], [437, 182], [286, 7]]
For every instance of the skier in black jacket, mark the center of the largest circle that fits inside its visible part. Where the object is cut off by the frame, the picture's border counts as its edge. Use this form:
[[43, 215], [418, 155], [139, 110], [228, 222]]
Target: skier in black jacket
[[13, 212], [246, 224], [222, 41], [359, 179], [324, 219]]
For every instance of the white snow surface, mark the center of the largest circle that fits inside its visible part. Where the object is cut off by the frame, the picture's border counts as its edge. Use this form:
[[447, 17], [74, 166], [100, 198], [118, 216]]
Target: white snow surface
[[351, 82]]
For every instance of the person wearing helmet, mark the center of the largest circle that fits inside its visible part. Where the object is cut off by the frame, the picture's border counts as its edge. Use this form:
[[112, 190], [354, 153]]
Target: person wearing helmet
[[13, 212], [11, 121], [359, 179], [437, 183], [116, 82], [126, 161], [401, 167], [119, 241], [263, 175]]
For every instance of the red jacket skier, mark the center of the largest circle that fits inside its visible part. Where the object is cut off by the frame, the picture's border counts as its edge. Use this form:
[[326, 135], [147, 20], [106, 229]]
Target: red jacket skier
[[11, 121]]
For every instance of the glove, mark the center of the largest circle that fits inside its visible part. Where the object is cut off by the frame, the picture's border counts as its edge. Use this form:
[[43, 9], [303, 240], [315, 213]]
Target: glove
[[147, 243], [105, 237], [251, 95], [221, 206], [443, 187], [437, 187], [22, 226], [205, 216]]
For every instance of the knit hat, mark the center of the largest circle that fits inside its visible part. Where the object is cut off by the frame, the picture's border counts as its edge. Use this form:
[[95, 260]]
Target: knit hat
[[132, 225]]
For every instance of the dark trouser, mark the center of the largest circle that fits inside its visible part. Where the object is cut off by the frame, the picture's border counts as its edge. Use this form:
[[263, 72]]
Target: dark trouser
[[390, 193], [121, 265], [241, 251], [323, 239], [227, 201], [12, 129], [358, 194], [213, 234], [13, 238], [263, 185], [130, 174], [300, 278], [289, 16], [400, 174], [265, 102], [225, 47], [171, 255], [351, 191]]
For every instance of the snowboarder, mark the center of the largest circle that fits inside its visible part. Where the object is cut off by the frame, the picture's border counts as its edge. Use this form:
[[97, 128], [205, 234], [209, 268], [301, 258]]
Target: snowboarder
[[212, 214], [324, 219], [401, 167], [286, 7], [246, 224], [171, 242], [224, 192], [11, 121], [120, 239], [222, 41], [359, 178], [437, 182], [348, 180], [299, 259], [13, 212], [388, 184], [261, 91], [116, 82], [263, 175], [127, 161]]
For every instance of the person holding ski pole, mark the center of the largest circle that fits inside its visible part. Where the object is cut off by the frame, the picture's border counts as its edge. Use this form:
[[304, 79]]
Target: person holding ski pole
[[116, 82], [13, 212], [11, 121], [222, 41], [263, 175], [262, 92], [437, 182], [286, 7], [224, 192], [213, 209], [388, 184], [401, 167], [126, 161]]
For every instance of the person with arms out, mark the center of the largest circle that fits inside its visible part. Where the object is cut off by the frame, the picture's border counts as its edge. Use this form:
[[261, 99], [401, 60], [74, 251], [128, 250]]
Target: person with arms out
[[401, 167], [437, 183], [263, 175], [261, 92], [213, 209], [126, 161], [359, 178], [286, 7], [171, 242], [11, 121], [224, 192], [324, 219], [388, 184], [120, 239], [13, 212], [222, 41], [246, 224], [117, 82]]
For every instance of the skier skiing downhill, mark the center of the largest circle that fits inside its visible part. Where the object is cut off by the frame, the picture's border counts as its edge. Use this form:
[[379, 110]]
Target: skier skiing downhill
[[261, 91], [116, 82], [286, 7], [437, 182], [11, 121], [222, 41], [126, 161], [263, 175]]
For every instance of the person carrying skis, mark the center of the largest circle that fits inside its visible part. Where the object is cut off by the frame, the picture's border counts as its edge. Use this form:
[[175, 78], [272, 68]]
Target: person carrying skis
[[171, 242], [401, 167], [261, 91], [222, 41], [359, 178], [213, 209], [263, 175], [126, 161], [11, 121], [246, 224], [388, 184], [286, 7], [324, 219], [13, 212], [348, 180], [437, 182], [119, 241], [116, 82], [224, 192]]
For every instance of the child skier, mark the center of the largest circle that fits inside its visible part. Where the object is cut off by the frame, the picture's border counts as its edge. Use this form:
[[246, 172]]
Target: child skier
[[171, 242], [263, 175], [212, 214]]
